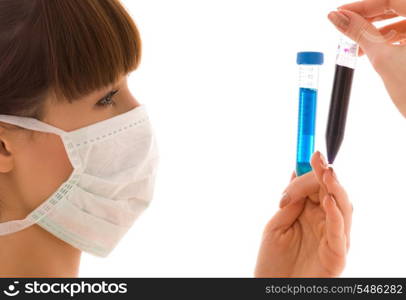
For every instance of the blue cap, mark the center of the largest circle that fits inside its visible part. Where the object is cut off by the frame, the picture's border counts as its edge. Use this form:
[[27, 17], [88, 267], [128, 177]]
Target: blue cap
[[310, 58]]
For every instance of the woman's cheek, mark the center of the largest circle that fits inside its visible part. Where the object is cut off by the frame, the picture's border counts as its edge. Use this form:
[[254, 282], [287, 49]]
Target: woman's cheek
[[43, 167]]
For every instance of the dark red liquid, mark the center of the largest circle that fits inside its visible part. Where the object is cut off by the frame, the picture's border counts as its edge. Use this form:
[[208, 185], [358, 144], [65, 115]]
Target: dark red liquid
[[337, 117]]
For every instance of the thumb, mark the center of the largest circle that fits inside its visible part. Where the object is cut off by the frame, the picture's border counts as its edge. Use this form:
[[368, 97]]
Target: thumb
[[286, 216], [361, 31]]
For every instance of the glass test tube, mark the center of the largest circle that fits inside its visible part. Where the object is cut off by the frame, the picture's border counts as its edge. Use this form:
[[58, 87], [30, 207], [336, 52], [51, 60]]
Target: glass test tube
[[309, 64], [347, 54]]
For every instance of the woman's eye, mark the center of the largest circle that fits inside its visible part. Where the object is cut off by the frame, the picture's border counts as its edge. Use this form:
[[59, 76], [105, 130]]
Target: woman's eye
[[108, 100]]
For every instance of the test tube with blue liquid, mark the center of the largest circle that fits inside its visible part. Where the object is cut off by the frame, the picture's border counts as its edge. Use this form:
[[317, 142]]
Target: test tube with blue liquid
[[309, 64]]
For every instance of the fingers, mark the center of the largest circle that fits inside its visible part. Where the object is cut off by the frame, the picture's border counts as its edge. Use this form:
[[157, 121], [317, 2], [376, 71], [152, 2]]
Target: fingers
[[373, 8], [361, 31], [285, 197], [372, 42], [304, 188], [336, 237], [286, 216], [379, 17], [319, 165], [341, 198], [394, 32], [300, 188]]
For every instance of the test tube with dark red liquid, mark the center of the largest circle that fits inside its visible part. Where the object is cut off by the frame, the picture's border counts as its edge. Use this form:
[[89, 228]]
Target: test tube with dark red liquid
[[340, 97]]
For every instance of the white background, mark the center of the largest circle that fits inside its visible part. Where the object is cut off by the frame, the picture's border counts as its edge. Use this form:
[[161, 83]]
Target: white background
[[219, 78]]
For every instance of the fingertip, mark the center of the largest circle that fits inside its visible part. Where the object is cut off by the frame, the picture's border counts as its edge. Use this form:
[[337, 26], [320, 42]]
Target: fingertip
[[324, 161], [332, 175], [314, 158], [285, 199], [293, 176], [339, 20], [318, 160]]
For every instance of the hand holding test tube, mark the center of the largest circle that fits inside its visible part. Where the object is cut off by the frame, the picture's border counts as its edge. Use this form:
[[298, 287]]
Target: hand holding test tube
[[309, 236], [355, 20]]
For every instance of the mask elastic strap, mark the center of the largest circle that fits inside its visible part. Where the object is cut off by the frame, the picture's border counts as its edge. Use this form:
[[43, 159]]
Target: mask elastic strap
[[9, 227], [31, 123], [43, 209]]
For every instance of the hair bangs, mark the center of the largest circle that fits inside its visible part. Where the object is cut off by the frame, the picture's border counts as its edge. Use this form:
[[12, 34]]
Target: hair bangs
[[91, 44]]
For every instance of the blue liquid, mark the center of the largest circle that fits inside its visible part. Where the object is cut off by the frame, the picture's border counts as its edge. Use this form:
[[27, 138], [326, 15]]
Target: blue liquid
[[306, 129]]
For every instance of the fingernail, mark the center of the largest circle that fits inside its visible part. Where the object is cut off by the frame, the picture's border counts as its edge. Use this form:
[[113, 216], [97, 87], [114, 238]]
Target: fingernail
[[330, 171], [323, 161], [339, 19], [330, 200], [333, 173], [285, 200]]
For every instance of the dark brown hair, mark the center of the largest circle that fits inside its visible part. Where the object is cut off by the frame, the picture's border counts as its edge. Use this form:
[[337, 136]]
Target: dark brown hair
[[66, 47]]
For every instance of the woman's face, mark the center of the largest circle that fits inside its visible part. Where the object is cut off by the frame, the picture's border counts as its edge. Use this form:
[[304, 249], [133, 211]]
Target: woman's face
[[34, 164]]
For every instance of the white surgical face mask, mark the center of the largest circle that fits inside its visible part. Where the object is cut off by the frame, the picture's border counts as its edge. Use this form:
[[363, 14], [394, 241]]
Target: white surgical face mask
[[114, 166]]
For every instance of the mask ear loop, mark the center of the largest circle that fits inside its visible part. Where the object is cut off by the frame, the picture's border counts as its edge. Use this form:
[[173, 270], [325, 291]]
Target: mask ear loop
[[9, 227], [32, 124], [42, 210]]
